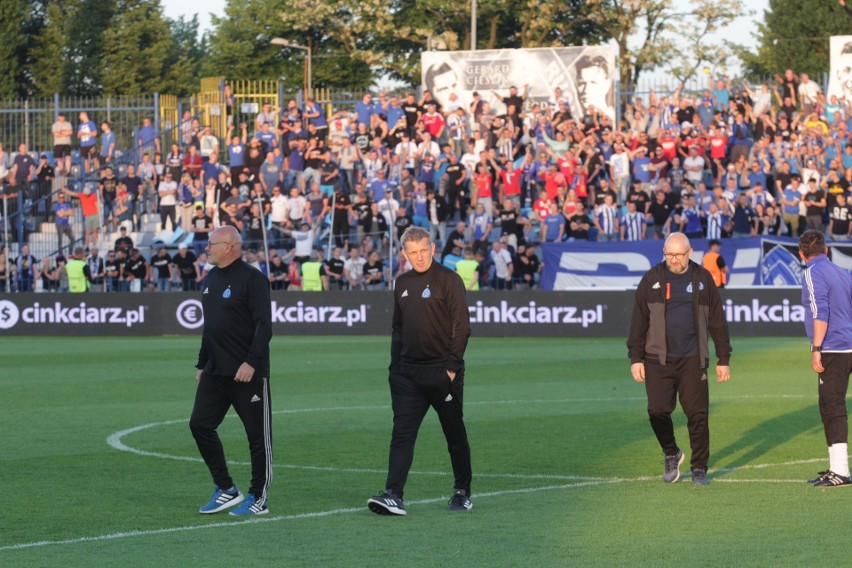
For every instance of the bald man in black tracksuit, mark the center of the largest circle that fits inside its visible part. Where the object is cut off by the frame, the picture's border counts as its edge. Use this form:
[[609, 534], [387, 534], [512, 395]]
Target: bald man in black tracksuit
[[233, 370], [431, 327]]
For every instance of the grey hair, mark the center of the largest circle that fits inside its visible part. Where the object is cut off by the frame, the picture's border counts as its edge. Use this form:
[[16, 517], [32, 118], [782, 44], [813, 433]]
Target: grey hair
[[414, 234]]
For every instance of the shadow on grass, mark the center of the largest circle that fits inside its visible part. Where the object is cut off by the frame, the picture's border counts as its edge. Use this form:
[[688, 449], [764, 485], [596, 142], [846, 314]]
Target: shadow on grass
[[760, 440]]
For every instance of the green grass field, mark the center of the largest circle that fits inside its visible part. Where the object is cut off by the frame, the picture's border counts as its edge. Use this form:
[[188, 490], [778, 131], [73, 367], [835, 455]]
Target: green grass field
[[566, 469]]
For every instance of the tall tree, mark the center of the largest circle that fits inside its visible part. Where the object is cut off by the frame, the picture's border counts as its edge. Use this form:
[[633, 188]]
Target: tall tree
[[186, 59], [51, 65], [664, 33], [789, 40], [84, 36], [388, 35], [137, 46], [240, 41], [20, 21]]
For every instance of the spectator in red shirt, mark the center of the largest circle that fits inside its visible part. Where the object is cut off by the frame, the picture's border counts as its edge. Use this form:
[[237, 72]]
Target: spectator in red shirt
[[192, 163], [91, 218]]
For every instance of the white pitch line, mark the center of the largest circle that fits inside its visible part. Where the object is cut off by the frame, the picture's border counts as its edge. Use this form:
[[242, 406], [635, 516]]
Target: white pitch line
[[317, 514], [115, 440]]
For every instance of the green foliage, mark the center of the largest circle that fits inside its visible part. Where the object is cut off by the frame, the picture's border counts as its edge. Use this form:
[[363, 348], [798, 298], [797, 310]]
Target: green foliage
[[566, 469], [136, 49], [794, 35]]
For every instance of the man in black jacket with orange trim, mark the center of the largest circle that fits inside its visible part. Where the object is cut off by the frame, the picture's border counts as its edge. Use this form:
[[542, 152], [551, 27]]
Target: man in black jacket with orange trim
[[677, 304]]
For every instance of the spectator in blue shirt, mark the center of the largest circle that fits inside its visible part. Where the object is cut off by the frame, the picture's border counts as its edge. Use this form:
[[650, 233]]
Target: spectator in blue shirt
[[365, 110], [108, 140], [87, 134], [147, 139]]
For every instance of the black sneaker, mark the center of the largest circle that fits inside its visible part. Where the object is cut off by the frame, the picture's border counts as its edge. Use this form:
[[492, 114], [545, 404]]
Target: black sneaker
[[831, 479], [386, 503], [699, 476], [460, 501], [819, 477], [671, 470]]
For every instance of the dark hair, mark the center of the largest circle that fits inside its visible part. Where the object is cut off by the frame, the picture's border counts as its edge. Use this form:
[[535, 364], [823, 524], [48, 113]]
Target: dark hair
[[434, 71], [592, 61], [812, 243]]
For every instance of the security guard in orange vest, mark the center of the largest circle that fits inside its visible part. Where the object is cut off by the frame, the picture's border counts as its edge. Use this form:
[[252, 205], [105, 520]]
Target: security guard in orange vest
[[715, 264]]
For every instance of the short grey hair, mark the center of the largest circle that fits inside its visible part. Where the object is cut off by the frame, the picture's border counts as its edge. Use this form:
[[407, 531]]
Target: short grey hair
[[414, 234]]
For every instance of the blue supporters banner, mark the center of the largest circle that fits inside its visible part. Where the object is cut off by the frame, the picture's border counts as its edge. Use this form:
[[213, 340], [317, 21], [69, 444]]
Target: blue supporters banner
[[757, 261]]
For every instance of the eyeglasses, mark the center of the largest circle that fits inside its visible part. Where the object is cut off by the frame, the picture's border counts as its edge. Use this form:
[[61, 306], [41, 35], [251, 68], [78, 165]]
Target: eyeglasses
[[675, 255], [209, 245]]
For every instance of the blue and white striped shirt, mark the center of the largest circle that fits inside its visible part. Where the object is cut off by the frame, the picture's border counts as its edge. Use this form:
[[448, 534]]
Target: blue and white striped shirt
[[634, 226]]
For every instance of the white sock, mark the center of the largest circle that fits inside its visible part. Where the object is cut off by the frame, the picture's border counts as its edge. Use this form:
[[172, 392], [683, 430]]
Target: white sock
[[838, 459]]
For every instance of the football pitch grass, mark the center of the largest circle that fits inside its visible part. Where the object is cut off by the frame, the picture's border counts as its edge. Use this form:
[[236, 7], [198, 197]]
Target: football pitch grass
[[98, 466]]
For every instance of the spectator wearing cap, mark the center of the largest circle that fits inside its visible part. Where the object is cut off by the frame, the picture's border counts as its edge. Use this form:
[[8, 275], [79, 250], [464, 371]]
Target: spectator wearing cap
[[123, 209], [91, 216]]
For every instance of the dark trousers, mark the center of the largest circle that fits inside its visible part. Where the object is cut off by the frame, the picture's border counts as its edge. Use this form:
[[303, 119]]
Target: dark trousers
[[685, 379], [167, 212], [413, 390], [214, 396], [833, 383]]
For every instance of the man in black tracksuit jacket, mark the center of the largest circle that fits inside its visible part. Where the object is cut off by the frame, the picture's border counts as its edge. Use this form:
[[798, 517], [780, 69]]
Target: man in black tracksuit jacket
[[233, 370], [677, 304], [431, 326]]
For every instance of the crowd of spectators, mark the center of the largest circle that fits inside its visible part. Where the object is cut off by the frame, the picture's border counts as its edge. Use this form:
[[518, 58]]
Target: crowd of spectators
[[727, 161]]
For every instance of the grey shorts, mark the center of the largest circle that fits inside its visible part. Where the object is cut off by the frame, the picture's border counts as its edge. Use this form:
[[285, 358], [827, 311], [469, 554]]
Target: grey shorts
[[91, 222]]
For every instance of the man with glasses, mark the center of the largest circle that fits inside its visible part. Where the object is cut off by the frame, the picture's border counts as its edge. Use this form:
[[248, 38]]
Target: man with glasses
[[677, 304], [233, 370]]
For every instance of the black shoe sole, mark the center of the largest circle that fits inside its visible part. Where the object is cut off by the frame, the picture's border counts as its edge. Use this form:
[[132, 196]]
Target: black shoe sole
[[380, 509]]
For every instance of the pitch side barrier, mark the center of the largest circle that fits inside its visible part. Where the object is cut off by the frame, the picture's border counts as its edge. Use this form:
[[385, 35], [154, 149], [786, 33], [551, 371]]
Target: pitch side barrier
[[757, 311]]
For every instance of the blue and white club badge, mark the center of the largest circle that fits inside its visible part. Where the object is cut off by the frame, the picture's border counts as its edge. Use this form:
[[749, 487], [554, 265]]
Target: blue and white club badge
[[689, 288], [427, 293], [227, 293]]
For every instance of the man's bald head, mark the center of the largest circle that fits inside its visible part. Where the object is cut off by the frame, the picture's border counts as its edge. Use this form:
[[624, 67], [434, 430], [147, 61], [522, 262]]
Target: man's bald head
[[224, 247], [678, 240]]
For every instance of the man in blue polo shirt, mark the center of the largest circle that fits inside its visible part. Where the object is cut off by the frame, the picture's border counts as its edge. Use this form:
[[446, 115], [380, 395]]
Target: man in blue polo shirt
[[827, 298]]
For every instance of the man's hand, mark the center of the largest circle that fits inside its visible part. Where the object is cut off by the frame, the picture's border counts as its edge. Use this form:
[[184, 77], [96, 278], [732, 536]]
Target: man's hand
[[452, 375], [723, 373], [244, 373], [638, 372], [816, 362], [198, 376]]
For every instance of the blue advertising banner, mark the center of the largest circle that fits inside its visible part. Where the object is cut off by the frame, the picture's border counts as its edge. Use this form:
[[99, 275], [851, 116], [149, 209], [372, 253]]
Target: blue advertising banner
[[757, 261]]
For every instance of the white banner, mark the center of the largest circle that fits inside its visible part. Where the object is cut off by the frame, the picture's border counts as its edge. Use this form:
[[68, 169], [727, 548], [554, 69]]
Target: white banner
[[585, 75], [840, 78]]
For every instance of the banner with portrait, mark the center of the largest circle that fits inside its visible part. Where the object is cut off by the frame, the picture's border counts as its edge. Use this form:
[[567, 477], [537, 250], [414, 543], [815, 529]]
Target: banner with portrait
[[840, 77], [584, 75]]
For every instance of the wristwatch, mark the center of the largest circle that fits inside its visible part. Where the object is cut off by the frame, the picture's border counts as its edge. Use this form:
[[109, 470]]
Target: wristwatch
[[816, 348]]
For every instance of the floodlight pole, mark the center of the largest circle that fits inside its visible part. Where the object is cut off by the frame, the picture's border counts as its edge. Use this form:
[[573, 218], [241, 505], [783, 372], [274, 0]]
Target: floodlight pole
[[263, 229], [473, 25]]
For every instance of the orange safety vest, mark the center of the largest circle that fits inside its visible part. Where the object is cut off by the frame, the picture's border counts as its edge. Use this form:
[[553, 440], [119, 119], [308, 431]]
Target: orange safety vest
[[709, 262]]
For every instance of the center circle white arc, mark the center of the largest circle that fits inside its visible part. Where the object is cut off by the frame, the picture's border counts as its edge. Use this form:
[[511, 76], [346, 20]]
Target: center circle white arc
[[115, 440]]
